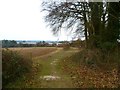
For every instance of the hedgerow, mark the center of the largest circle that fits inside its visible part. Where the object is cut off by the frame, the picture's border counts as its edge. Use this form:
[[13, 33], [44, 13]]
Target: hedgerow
[[14, 66]]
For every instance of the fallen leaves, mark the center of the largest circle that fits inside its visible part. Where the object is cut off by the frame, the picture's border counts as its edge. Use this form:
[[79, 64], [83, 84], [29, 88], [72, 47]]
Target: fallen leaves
[[84, 77]]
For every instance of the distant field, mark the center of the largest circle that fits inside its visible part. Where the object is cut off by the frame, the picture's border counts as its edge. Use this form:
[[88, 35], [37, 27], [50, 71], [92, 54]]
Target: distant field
[[34, 51]]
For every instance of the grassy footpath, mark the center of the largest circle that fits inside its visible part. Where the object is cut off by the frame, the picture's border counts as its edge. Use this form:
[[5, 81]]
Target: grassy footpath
[[46, 65], [51, 67]]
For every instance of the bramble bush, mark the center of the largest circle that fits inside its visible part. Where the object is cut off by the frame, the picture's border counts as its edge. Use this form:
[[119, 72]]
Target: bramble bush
[[14, 66]]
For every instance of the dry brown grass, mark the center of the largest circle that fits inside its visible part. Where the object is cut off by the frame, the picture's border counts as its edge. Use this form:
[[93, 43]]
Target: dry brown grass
[[34, 51]]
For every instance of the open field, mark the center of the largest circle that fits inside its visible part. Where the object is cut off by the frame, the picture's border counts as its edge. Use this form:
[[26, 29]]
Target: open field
[[34, 51]]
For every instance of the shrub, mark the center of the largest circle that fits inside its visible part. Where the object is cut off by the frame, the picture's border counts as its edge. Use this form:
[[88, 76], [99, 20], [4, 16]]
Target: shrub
[[108, 46], [66, 47], [13, 66], [96, 58]]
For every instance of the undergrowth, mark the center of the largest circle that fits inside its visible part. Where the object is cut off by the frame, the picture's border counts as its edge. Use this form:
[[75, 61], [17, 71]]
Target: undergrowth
[[14, 66], [93, 68]]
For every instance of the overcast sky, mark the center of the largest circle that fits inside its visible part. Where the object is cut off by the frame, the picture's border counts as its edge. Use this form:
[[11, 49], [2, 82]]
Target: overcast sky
[[22, 20]]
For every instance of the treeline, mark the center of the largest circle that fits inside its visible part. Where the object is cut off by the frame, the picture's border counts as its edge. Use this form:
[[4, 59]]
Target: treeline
[[9, 43], [98, 21], [13, 43]]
